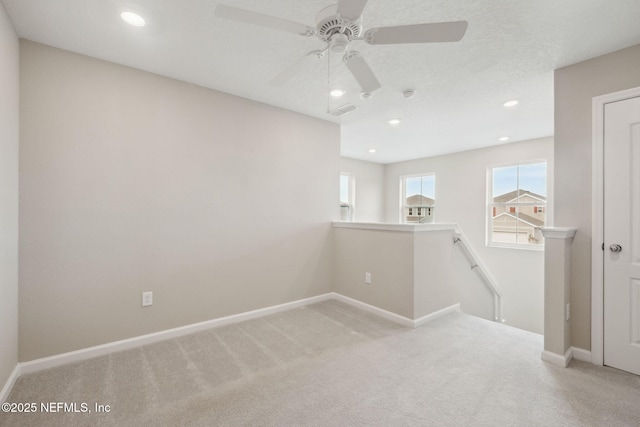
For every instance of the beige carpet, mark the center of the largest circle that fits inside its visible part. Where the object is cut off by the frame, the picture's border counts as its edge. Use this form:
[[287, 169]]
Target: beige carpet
[[329, 364]]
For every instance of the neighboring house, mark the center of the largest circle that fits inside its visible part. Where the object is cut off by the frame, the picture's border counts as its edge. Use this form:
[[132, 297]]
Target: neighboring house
[[419, 209], [518, 217]]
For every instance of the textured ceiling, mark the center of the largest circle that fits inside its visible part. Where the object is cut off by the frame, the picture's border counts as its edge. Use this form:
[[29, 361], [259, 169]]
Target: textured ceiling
[[509, 51]]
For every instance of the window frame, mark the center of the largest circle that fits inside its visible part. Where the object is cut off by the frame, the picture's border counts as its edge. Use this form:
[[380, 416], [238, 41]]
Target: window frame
[[512, 207], [404, 208]]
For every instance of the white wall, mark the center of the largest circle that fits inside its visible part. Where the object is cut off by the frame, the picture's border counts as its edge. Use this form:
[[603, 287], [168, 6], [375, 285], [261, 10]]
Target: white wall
[[132, 182], [9, 107], [461, 198], [369, 188], [575, 87]]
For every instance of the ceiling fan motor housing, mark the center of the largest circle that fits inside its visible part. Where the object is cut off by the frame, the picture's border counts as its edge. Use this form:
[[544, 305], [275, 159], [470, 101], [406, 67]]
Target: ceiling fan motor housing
[[329, 22]]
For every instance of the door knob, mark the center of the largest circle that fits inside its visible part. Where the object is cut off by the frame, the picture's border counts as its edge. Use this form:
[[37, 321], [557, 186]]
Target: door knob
[[615, 248]]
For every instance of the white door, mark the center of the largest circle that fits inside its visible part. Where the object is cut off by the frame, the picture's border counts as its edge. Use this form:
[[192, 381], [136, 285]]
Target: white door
[[622, 235]]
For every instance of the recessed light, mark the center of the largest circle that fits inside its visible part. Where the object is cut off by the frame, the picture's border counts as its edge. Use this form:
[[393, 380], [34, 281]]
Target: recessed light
[[132, 19], [511, 103], [394, 122], [373, 150], [337, 93], [503, 139]]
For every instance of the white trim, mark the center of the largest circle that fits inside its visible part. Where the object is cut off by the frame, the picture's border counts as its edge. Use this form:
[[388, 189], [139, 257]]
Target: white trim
[[581, 354], [407, 228], [6, 390], [558, 232], [556, 359], [563, 361], [401, 320], [100, 350], [404, 321], [597, 219], [455, 308]]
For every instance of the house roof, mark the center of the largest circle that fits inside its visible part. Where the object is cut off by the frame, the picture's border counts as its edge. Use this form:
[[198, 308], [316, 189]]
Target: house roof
[[513, 195], [527, 219], [419, 200]]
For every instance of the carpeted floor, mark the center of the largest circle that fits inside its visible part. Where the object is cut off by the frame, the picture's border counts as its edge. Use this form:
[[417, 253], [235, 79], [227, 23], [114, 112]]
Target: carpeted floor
[[330, 364]]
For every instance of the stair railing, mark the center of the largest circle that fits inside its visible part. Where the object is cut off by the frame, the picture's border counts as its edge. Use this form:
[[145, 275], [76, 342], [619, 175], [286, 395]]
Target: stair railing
[[459, 239]]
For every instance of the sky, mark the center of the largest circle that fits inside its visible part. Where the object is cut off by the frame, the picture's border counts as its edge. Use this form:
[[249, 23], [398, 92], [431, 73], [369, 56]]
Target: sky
[[344, 188], [425, 185], [531, 177]]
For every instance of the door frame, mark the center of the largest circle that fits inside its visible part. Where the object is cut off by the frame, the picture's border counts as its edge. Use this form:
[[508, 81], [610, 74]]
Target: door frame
[[597, 219]]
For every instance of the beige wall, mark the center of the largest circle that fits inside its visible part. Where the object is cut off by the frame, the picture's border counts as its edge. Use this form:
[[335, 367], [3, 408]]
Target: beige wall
[[369, 188], [388, 256], [433, 272], [575, 86], [9, 106], [132, 182], [411, 272], [461, 198]]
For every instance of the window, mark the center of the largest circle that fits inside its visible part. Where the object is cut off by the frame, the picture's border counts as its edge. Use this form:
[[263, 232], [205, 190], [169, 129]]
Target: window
[[346, 197], [417, 198], [517, 205]]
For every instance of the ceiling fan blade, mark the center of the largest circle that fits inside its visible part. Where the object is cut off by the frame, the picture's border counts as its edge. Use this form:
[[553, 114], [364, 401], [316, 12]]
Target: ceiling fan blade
[[296, 67], [254, 18], [419, 33], [361, 71], [351, 9]]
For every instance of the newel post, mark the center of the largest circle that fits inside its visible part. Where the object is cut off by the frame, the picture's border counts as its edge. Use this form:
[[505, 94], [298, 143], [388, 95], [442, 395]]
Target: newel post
[[557, 294]]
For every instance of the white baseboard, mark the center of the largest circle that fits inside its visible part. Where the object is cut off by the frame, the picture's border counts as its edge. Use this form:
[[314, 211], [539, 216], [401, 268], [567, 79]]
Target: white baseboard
[[436, 314], [557, 359], [563, 361], [6, 390], [404, 321], [112, 347], [581, 354], [126, 344]]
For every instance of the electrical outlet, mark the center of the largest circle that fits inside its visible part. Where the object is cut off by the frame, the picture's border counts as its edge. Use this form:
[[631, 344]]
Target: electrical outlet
[[367, 278], [147, 299], [568, 312]]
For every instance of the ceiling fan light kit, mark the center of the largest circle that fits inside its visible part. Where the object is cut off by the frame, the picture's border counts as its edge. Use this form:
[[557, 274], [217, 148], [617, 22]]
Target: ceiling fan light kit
[[338, 43], [338, 26]]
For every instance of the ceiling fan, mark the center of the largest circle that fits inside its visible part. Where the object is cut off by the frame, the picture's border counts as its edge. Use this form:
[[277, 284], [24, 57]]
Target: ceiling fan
[[340, 24]]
